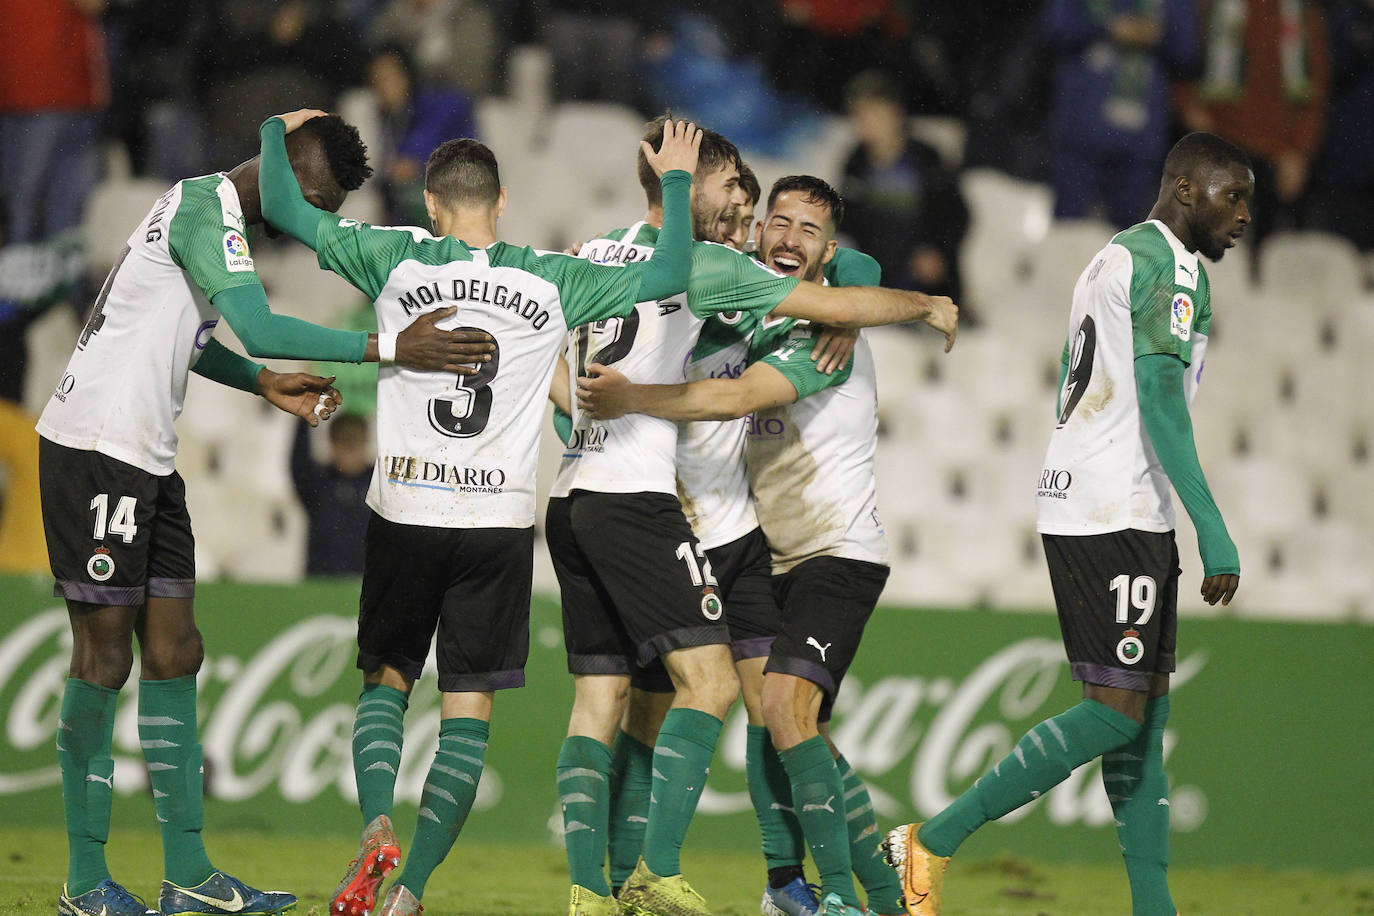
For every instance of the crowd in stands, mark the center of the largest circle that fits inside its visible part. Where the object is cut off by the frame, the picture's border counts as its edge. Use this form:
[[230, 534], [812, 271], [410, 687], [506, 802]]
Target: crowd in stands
[[1084, 96]]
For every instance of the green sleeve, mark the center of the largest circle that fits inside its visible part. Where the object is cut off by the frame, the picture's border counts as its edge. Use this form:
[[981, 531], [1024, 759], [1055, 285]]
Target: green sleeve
[[792, 357], [725, 280], [1064, 359], [562, 424], [220, 364], [1162, 312], [283, 205], [850, 267], [265, 334], [208, 241], [665, 274], [1159, 385]]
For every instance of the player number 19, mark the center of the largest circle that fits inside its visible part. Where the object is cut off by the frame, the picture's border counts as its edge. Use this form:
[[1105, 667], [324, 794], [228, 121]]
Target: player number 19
[[1139, 592], [121, 523]]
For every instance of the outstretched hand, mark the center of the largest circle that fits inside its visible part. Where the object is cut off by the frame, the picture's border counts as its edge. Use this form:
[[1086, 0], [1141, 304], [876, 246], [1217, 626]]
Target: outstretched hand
[[423, 345], [681, 144], [1220, 588], [604, 393], [307, 396], [294, 119]]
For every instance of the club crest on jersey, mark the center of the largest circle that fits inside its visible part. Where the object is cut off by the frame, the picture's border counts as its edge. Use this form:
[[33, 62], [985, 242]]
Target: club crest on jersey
[[101, 565], [1130, 650], [1181, 316], [236, 257], [711, 606]]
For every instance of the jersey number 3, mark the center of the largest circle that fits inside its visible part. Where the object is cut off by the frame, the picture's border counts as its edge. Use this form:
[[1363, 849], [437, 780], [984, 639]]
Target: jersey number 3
[[468, 410]]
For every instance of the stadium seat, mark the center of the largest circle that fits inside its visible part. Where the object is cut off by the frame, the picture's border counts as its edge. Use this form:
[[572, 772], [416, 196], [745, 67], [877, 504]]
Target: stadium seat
[[114, 209], [1311, 265], [1009, 217]]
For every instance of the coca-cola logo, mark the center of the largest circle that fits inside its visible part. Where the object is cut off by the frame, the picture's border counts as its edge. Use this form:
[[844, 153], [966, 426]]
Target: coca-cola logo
[[946, 733], [271, 726]]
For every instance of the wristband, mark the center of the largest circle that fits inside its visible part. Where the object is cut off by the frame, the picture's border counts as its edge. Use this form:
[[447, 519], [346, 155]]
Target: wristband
[[386, 349]]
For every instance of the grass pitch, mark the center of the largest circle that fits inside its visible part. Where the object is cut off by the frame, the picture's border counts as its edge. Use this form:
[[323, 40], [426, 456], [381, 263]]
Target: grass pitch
[[490, 880]]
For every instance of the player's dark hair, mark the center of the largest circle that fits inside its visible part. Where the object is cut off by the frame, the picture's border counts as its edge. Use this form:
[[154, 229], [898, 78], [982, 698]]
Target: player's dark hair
[[716, 153], [343, 149], [1200, 150], [814, 191], [749, 183], [873, 85], [463, 173]]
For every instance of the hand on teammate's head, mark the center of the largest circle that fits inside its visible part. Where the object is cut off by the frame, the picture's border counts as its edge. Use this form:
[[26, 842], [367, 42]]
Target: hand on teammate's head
[[294, 119], [679, 150]]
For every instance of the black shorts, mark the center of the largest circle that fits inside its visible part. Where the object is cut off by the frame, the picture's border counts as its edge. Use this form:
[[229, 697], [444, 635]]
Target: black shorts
[[825, 601], [633, 581], [744, 570], [116, 534], [471, 584], [1117, 597]]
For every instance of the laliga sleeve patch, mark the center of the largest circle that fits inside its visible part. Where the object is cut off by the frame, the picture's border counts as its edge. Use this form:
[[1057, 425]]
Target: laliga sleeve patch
[[236, 256], [1181, 316]]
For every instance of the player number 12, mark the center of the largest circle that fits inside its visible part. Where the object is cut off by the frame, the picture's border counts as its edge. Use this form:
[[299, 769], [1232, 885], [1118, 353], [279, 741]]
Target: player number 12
[[700, 574]]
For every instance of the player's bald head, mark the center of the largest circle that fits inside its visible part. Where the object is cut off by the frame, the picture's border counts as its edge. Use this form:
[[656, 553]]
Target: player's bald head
[[1199, 153]]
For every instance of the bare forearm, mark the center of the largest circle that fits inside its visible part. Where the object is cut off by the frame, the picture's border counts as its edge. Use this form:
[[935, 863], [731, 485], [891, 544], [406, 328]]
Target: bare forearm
[[856, 306], [707, 399]]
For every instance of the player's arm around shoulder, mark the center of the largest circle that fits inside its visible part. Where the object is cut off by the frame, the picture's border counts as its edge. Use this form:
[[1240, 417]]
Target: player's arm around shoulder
[[608, 394], [869, 306]]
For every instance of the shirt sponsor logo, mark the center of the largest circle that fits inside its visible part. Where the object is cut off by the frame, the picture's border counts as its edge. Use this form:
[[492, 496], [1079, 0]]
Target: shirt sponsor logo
[[407, 470], [592, 439], [1054, 483], [1181, 317], [65, 387], [769, 427], [236, 257]]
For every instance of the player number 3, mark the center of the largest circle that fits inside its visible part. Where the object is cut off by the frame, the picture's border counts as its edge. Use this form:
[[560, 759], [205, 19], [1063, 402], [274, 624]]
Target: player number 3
[[1139, 592]]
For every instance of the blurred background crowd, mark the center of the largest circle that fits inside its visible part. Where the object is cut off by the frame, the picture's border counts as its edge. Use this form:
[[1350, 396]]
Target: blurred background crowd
[[985, 150]]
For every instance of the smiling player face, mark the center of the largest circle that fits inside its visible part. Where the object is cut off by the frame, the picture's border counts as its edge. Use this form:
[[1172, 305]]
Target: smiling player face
[[715, 203], [796, 237]]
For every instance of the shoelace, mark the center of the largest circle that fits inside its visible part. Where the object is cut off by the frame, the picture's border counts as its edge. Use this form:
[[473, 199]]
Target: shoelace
[[109, 885]]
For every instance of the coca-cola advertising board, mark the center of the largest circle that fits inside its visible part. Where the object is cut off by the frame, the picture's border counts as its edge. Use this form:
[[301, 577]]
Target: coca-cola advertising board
[[1269, 745]]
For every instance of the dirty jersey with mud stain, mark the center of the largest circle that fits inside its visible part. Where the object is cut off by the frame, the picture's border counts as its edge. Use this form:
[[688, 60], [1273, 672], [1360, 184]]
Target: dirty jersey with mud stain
[[810, 463], [636, 453], [1143, 294]]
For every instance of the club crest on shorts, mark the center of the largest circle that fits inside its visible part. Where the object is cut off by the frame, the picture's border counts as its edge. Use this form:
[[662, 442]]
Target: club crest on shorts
[[711, 605], [1130, 650], [101, 565]]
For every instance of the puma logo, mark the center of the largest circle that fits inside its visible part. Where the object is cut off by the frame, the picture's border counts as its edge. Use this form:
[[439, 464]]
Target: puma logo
[[1191, 272], [811, 641], [107, 780], [824, 807]]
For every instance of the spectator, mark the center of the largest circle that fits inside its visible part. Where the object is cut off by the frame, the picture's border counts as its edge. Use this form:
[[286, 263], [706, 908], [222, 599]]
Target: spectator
[[53, 86], [334, 495], [454, 43], [903, 206], [415, 119], [823, 43], [1343, 179], [1110, 105], [1265, 84]]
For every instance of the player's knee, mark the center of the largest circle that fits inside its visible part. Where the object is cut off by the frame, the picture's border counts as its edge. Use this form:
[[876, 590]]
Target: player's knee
[[169, 657], [714, 694], [105, 663]]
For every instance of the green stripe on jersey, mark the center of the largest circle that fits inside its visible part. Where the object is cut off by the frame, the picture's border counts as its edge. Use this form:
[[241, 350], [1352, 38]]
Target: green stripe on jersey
[[1164, 312]]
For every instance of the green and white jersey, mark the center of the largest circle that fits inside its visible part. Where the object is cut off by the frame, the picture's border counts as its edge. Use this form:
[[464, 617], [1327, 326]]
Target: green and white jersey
[[1142, 294], [461, 451], [636, 453], [810, 462], [126, 381]]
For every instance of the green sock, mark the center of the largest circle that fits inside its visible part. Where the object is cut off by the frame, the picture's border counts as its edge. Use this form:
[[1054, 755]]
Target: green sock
[[1139, 792], [819, 796], [632, 768], [447, 798], [84, 731], [584, 768], [167, 731], [682, 759], [377, 738], [783, 842], [879, 880], [1041, 760]]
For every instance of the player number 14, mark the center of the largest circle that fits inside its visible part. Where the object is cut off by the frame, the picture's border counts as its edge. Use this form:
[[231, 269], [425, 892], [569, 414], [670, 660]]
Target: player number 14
[[1139, 592], [121, 523]]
